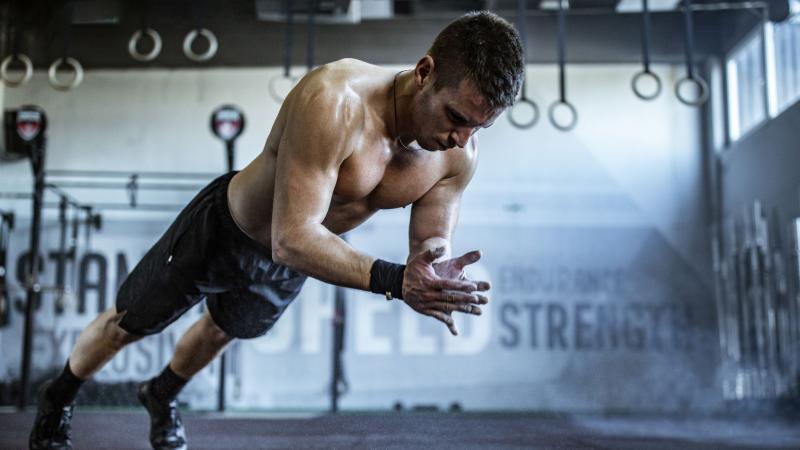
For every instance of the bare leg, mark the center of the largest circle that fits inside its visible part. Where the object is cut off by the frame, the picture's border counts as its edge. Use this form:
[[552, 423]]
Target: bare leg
[[201, 343], [98, 343]]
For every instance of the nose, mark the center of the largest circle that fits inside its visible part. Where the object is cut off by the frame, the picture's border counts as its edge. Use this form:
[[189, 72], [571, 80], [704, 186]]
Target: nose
[[460, 136]]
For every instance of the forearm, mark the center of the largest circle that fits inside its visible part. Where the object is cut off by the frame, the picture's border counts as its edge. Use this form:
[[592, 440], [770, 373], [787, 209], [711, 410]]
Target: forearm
[[430, 243], [325, 256]]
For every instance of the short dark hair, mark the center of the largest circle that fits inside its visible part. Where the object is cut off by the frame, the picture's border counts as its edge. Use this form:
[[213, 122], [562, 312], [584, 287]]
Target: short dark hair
[[484, 48]]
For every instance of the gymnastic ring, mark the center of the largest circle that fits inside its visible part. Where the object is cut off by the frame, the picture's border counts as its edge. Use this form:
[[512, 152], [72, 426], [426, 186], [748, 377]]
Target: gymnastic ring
[[154, 52], [700, 83], [25, 77], [52, 74], [551, 113], [273, 88], [637, 90], [524, 125], [213, 45]]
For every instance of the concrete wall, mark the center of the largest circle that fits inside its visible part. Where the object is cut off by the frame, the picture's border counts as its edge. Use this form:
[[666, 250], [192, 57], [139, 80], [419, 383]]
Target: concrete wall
[[595, 240]]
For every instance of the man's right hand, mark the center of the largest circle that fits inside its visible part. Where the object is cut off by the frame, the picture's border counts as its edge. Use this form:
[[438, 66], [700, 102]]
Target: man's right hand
[[432, 295]]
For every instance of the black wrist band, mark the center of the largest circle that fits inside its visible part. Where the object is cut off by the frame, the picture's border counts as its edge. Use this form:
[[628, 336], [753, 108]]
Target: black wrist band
[[387, 278]]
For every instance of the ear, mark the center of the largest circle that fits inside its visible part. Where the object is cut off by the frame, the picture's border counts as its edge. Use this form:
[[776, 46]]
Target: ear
[[423, 73]]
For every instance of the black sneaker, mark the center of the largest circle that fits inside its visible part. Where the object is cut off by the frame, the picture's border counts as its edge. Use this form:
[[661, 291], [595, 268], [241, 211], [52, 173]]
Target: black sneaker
[[51, 428], [166, 427]]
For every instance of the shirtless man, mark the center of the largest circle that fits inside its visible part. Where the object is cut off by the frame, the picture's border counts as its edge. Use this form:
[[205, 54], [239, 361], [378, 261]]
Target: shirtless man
[[350, 139]]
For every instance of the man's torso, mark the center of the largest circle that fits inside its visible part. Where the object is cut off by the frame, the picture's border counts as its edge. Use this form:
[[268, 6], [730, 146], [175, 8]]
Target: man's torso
[[378, 174]]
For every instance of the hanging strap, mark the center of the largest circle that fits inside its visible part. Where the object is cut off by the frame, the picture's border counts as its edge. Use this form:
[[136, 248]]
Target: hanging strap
[[646, 32], [312, 25], [646, 72], [287, 39], [562, 51], [691, 77], [522, 28], [688, 36], [67, 11], [562, 82]]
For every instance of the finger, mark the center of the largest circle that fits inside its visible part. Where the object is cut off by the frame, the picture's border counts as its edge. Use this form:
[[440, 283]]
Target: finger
[[454, 285], [479, 285], [467, 259], [457, 297], [445, 319], [465, 308], [432, 255], [483, 285], [482, 299]]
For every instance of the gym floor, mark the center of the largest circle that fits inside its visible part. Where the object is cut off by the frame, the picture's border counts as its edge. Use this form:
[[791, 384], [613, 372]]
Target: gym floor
[[128, 430]]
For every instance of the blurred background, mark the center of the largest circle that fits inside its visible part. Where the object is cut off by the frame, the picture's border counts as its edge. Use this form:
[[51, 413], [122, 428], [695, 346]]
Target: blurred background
[[644, 258]]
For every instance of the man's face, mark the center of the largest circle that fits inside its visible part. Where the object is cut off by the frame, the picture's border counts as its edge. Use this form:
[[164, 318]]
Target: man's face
[[448, 117]]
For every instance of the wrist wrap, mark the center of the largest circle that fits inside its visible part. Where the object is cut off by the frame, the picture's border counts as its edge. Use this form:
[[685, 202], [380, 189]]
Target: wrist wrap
[[387, 278]]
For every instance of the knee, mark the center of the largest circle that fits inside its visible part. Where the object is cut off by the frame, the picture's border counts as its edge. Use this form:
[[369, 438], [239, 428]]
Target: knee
[[213, 331], [115, 334]]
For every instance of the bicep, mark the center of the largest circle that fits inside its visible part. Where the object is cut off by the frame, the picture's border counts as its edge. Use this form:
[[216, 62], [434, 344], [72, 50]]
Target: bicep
[[302, 190]]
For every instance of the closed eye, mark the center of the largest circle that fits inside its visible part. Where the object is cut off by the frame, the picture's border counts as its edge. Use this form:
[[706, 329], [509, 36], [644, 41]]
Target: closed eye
[[455, 117]]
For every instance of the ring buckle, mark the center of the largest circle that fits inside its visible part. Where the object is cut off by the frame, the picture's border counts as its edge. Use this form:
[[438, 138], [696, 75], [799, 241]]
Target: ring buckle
[[25, 77], [213, 45], [697, 81], [134, 41], [77, 78], [637, 89], [552, 114], [524, 124]]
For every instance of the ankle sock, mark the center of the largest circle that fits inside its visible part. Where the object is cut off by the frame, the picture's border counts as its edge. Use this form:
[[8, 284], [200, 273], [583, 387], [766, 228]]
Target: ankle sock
[[166, 386], [64, 388]]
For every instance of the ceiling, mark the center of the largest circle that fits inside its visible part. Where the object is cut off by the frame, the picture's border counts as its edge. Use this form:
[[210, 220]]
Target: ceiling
[[252, 32]]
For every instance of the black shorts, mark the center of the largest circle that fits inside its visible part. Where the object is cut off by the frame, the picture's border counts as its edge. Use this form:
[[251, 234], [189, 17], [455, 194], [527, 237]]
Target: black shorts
[[205, 254]]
